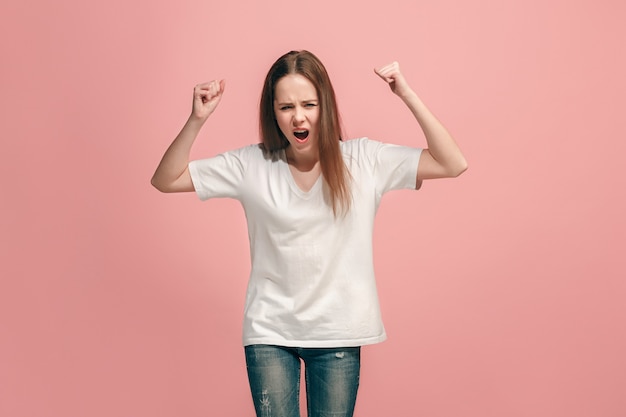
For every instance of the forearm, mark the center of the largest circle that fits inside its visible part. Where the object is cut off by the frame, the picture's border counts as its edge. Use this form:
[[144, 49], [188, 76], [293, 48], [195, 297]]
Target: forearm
[[172, 174], [175, 161], [441, 145]]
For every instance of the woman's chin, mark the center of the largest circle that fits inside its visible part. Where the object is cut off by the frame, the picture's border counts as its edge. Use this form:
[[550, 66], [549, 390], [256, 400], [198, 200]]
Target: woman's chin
[[303, 147]]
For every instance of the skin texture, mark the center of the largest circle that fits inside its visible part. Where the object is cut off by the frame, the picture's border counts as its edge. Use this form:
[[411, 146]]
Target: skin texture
[[296, 108]]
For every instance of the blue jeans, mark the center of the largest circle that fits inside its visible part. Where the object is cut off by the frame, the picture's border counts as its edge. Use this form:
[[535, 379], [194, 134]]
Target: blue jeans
[[331, 375]]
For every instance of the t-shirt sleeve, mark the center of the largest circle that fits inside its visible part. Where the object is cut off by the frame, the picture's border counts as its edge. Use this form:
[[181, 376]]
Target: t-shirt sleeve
[[394, 166], [221, 175]]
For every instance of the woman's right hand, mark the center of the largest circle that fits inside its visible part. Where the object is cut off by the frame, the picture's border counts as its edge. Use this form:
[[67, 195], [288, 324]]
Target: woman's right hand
[[206, 97]]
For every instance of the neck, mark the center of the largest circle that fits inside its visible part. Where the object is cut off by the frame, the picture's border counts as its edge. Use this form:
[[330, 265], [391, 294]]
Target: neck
[[302, 162]]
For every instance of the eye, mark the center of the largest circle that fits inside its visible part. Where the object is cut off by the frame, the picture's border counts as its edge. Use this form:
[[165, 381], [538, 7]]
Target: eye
[[285, 107], [310, 105]]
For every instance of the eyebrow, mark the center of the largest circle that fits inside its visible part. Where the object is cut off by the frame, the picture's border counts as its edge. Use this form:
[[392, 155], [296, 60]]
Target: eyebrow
[[303, 101]]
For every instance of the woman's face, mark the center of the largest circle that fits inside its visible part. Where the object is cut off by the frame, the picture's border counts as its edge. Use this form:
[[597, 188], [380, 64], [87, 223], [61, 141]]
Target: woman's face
[[296, 107]]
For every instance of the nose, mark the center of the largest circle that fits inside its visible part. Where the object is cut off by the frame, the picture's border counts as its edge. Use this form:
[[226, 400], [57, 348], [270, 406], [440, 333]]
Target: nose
[[298, 115]]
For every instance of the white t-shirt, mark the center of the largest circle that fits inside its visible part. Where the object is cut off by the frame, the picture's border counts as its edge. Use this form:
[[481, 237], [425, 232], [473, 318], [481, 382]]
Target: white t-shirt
[[312, 278]]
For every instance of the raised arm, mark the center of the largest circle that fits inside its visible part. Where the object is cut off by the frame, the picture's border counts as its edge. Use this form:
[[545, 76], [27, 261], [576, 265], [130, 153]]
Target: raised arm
[[172, 174], [443, 158]]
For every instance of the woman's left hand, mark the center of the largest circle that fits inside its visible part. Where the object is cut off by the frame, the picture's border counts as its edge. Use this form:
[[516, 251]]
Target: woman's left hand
[[391, 74]]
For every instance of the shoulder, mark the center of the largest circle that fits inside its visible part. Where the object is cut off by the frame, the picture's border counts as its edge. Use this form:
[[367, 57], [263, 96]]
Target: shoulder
[[235, 159], [363, 143], [249, 151], [249, 154], [258, 152], [360, 149]]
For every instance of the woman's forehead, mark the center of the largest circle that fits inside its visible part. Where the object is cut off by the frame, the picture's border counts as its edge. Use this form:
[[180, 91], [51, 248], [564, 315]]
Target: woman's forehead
[[295, 86]]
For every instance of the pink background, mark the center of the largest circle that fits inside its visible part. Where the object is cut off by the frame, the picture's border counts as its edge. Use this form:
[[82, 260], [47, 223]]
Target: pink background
[[503, 291]]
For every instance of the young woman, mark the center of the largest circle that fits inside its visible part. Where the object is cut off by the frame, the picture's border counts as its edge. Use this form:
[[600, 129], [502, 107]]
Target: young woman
[[310, 200]]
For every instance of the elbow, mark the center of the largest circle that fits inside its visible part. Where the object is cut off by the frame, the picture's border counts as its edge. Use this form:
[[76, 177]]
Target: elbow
[[450, 166], [158, 185], [459, 168], [176, 186], [453, 168]]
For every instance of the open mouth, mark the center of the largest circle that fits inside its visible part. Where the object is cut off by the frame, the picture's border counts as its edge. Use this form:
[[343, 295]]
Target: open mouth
[[301, 134]]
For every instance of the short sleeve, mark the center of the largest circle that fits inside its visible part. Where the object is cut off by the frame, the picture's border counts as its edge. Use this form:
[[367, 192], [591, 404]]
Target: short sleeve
[[394, 166], [221, 175]]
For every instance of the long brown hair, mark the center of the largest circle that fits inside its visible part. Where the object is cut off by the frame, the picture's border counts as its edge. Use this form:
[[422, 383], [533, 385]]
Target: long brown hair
[[334, 171]]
